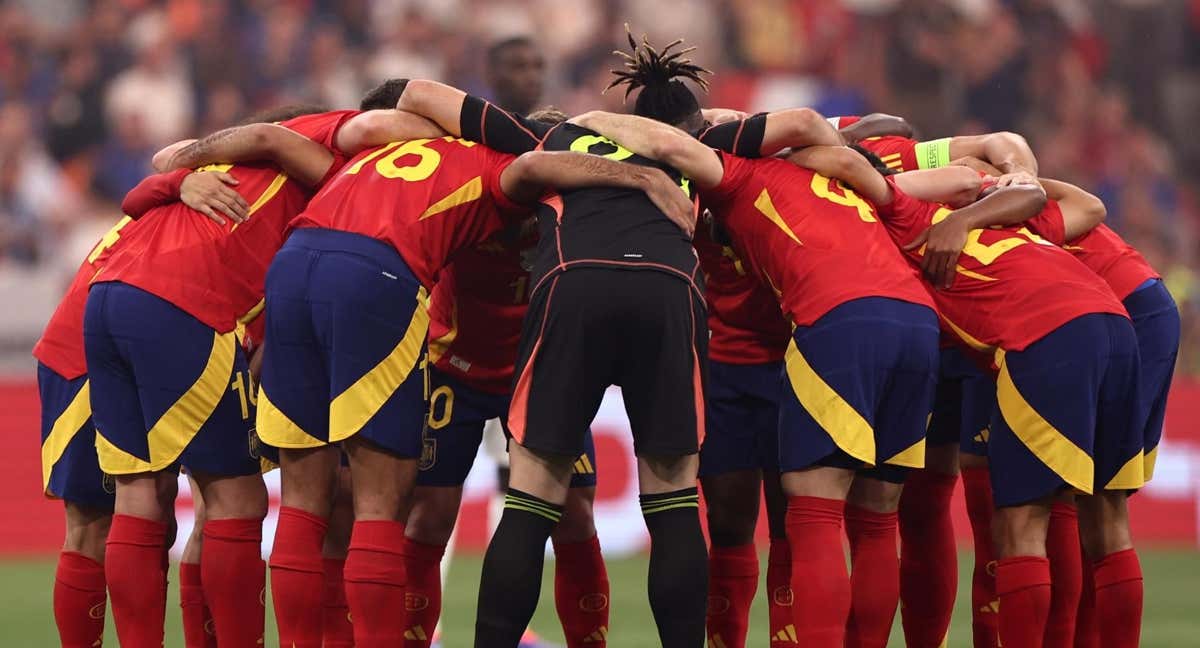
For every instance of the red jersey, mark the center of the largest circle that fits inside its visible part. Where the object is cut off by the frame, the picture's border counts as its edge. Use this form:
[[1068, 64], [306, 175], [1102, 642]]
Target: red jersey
[[1102, 250], [816, 242], [476, 310], [61, 345], [427, 198], [745, 324], [215, 272], [1012, 286]]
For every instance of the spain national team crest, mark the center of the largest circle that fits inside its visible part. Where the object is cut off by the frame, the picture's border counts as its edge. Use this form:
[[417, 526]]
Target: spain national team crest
[[109, 484], [594, 602], [428, 451], [783, 596], [255, 444]]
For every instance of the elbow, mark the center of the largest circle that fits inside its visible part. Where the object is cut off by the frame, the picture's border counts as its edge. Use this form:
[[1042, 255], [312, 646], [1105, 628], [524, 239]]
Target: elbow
[[1095, 210], [966, 185], [804, 123], [1035, 197], [669, 147], [413, 98]]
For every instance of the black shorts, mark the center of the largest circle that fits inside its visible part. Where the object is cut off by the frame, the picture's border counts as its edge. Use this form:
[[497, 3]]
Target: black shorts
[[589, 328]]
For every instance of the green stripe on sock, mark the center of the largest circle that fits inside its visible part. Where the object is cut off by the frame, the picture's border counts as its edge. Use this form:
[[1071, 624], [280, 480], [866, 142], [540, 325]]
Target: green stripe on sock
[[670, 500], [549, 508], [529, 509], [668, 507]]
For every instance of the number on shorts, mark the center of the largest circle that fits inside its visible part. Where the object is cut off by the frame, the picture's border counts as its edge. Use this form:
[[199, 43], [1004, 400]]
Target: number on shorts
[[446, 396], [247, 393]]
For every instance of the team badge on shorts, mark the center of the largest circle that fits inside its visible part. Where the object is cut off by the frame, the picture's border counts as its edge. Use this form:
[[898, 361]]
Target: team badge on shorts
[[255, 444], [108, 483], [428, 451]]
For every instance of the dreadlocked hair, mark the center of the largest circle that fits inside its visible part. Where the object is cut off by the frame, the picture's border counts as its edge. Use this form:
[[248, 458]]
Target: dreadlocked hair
[[663, 96]]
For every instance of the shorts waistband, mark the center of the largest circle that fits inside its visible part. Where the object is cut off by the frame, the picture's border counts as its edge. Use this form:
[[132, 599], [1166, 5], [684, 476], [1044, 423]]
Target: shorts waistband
[[329, 240], [1148, 298]]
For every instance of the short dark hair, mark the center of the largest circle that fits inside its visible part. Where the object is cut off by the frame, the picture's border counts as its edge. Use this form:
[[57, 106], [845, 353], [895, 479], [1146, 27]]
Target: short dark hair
[[282, 113], [663, 97], [383, 96], [496, 49], [875, 160]]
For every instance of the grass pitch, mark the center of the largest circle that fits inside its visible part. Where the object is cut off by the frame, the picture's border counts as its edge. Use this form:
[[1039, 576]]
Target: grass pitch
[[1172, 611]]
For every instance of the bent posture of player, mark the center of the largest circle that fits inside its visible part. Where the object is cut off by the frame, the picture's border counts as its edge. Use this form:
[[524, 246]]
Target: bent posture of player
[[1069, 413], [70, 468], [615, 301], [861, 319], [347, 324]]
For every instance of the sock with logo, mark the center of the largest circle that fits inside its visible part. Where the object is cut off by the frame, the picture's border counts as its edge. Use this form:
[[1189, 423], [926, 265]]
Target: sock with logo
[[338, 631], [581, 593], [977, 490], [677, 583], [375, 582], [1119, 599], [298, 577], [928, 558], [732, 582], [198, 628], [133, 569], [874, 576], [79, 600], [1066, 572], [1087, 630], [1023, 585], [779, 587], [512, 569], [423, 600], [821, 585], [235, 579]]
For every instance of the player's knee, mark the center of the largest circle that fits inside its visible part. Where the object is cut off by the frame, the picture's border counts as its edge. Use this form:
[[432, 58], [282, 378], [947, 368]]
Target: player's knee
[[86, 531], [1104, 524], [578, 523], [146, 495], [875, 495], [942, 459], [664, 474], [1021, 530], [732, 507], [240, 497], [434, 514]]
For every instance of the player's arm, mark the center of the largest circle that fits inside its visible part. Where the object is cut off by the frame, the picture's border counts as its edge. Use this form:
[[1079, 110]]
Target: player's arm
[[163, 156], [471, 117], [658, 141], [378, 127], [848, 166], [209, 192], [876, 125], [435, 101], [1008, 152], [956, 186], [945, 240], [527, 178], [299, 157], [1081, 211]]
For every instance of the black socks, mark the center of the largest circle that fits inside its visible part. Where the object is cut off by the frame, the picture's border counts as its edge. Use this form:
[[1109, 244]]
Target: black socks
[[678, 580]]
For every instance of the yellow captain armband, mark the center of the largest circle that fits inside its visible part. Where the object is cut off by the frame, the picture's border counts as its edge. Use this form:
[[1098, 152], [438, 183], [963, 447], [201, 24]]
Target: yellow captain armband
[[933, 154]]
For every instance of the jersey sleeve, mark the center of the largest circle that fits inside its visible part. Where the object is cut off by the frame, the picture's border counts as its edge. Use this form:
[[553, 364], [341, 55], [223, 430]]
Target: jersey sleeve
[[484, 122], [744, 137], [843, 121], [735, 172], [905, 216], [154, 191], [496, 163], [322, 128], [1049, 223]]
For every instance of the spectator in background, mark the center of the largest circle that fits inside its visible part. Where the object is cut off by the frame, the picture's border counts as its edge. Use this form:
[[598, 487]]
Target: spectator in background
[[33, 194], [155, 93]]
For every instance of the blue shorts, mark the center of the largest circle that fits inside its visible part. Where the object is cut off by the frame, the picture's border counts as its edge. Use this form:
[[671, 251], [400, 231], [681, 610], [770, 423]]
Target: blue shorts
[[1069, 413], [741, 415], [454, 430], [70, 467], [859, 387], [166, 389], [1156, 323], [963, 406], [344, 345]]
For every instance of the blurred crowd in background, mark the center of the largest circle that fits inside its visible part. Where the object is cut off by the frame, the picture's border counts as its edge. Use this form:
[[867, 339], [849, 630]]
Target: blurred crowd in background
[[1106, 91]]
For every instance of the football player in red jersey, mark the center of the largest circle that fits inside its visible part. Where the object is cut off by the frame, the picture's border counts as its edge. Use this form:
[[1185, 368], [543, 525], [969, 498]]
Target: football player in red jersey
[[70, 469], [1069, 412]]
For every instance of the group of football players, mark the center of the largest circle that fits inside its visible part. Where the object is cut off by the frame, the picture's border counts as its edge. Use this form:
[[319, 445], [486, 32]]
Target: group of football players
[[824, 311]]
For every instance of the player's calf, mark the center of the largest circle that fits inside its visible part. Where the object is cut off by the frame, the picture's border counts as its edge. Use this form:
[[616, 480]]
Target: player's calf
[[1117, 573], [732, 507], [79, 586]]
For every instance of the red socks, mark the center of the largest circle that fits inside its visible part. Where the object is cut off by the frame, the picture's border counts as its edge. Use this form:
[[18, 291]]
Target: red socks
[[1066, 574], [581, 593], [874, 577], [779, 587], [423, 598], [234, 575], [1023, 584], [133, 568], [977, 489], [822, 605], [79, 600], [1119, 599], [375, 582], [928, 558], [339, 633], [198, 628], [732, 582], [1087, 632], [298, 577]]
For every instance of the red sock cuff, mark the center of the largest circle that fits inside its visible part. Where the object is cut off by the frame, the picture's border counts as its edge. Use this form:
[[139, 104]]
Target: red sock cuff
[[739, 561], [79, 572], [816, 509], [1116, 568], [865, 521], [780, 552], [577, 552], [234, 530], [378, 535], [301, 517], [298, 540], [423, 552], [1064, 510], [1021, 572], [131, 530]]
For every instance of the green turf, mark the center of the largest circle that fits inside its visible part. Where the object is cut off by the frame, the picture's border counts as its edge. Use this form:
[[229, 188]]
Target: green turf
[[1172, 616]]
